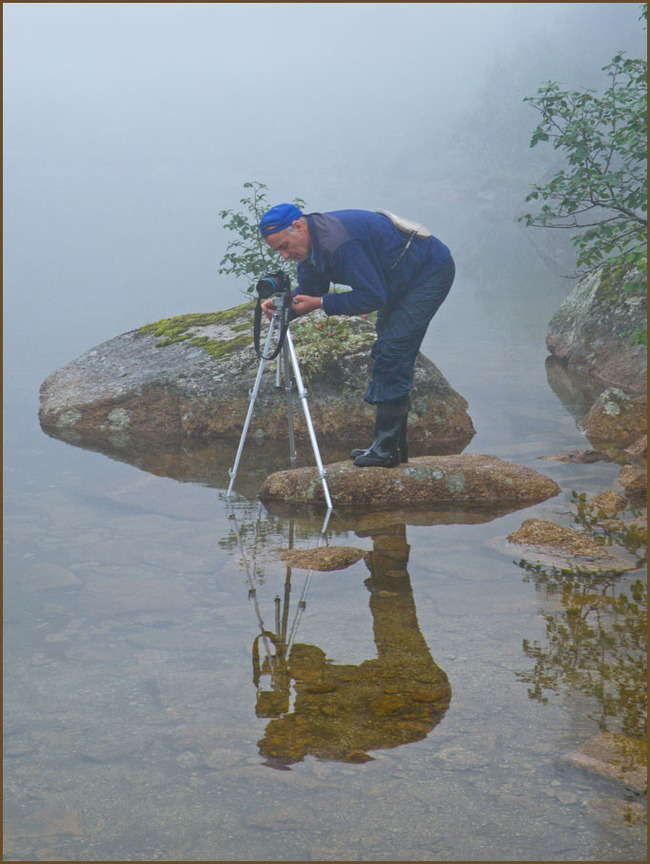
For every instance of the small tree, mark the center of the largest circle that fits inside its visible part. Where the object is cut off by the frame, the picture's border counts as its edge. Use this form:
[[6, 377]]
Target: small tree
[[601, 194], [249, 255]]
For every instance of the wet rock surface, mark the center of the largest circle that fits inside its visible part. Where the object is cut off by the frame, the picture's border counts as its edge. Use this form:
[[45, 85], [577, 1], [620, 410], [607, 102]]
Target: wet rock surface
[[471, 480]]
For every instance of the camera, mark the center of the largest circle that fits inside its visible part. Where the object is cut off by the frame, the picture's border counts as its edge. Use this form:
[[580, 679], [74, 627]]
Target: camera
[[275, 286], [273, 283]]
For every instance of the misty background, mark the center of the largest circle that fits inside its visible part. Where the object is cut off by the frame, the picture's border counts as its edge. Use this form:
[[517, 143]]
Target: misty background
[[128, 127]]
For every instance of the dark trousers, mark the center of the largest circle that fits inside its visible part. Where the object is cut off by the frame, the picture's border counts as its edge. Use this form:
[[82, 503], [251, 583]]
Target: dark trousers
[[401, 327]]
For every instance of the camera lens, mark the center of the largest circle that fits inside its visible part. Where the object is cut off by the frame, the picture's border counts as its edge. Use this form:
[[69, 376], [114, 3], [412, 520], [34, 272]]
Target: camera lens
[[273, 283]]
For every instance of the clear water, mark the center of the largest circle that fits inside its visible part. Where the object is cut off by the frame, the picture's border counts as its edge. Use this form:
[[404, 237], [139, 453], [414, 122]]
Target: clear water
[[133, 711]]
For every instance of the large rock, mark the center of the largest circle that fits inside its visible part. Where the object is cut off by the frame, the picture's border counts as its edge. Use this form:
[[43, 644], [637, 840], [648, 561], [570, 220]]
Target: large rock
[[190, 377], [471, 480], [591, 332]]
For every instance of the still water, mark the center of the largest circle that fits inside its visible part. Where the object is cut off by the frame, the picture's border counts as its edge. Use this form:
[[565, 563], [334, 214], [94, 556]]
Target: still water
[[174, 690]]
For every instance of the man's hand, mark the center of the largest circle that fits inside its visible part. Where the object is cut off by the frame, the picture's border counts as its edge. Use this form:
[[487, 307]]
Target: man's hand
[[303, 303], [268, 308]]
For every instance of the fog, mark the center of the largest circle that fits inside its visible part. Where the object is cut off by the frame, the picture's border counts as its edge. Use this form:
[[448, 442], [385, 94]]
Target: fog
[[128, 127]]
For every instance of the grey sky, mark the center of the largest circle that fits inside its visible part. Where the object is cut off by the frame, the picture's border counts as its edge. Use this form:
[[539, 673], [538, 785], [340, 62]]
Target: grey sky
[[127, 127]]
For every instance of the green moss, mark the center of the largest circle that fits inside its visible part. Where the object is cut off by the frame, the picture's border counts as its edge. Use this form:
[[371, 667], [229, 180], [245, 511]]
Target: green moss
[[172, 327], [217, 350], [621, 277], [319, 342], [176, 329]]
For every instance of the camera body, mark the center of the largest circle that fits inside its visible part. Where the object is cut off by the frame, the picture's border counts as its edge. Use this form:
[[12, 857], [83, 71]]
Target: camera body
[[273, 284]]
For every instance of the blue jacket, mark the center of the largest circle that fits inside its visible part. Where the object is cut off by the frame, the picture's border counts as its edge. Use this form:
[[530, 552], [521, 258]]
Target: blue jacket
[[358, 248]]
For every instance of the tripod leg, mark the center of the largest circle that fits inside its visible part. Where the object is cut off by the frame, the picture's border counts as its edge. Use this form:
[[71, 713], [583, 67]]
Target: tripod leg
[[251, 404], [287, 390], [302, 393]]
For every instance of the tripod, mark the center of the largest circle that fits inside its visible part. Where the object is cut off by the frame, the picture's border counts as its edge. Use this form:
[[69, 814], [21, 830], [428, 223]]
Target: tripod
[[287, 360]]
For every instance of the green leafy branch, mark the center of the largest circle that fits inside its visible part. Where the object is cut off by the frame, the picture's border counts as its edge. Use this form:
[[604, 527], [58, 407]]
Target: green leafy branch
[[248, 255], [601, 194]]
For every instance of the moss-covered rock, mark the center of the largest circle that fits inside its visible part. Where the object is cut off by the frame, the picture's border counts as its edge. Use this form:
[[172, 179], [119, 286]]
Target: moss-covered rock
[[190, 377]]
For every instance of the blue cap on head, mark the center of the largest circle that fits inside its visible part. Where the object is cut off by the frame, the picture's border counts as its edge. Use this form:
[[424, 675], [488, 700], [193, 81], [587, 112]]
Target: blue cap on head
[[278, 218]]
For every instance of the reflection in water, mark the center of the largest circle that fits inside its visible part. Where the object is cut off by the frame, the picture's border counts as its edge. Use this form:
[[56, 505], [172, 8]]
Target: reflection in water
[[340, 711], [596, 639], [577, 391], [595, 644], [210, 462]]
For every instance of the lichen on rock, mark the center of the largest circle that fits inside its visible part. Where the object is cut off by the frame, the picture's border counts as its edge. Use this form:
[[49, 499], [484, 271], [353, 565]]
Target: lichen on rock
[[616, 420], [469, 481]]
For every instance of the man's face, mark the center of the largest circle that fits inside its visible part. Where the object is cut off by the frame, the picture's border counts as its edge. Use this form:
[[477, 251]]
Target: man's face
[[292, 245]]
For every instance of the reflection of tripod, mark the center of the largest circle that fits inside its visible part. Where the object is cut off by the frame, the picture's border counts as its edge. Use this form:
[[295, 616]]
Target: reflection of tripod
[[286, 361]]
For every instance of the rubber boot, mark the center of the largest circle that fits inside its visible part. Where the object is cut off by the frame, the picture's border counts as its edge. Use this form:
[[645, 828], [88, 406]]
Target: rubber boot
[[389, 427], [402, 445]]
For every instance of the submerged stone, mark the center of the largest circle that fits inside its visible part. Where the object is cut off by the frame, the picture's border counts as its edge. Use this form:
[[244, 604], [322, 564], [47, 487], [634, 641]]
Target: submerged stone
[[615, 757]]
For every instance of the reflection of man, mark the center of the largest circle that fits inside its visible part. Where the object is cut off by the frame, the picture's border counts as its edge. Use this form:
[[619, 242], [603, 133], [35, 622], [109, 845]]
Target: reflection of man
[[342, 711]]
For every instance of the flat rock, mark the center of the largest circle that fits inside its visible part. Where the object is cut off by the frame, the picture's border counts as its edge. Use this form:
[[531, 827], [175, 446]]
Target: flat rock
[[323, 558], [464, 480], [580, 456], [539, 541]]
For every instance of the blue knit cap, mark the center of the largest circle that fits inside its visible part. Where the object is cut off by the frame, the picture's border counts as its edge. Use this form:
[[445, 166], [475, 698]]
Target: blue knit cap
[[278, 218]]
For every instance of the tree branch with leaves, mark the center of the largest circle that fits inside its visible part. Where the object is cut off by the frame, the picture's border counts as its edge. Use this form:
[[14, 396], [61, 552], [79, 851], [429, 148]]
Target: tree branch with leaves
[[601, 194], [248, 255]]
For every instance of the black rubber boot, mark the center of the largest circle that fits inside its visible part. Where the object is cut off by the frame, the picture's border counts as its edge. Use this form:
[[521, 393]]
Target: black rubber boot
[[402, 445], [389, 428]]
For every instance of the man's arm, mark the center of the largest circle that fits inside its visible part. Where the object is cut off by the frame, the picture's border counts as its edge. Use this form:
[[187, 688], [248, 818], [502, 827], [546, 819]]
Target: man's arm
[[353, 267]]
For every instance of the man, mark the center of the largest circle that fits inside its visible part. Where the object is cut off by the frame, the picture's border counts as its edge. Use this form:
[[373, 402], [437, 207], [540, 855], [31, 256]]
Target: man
[[394, 267]]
